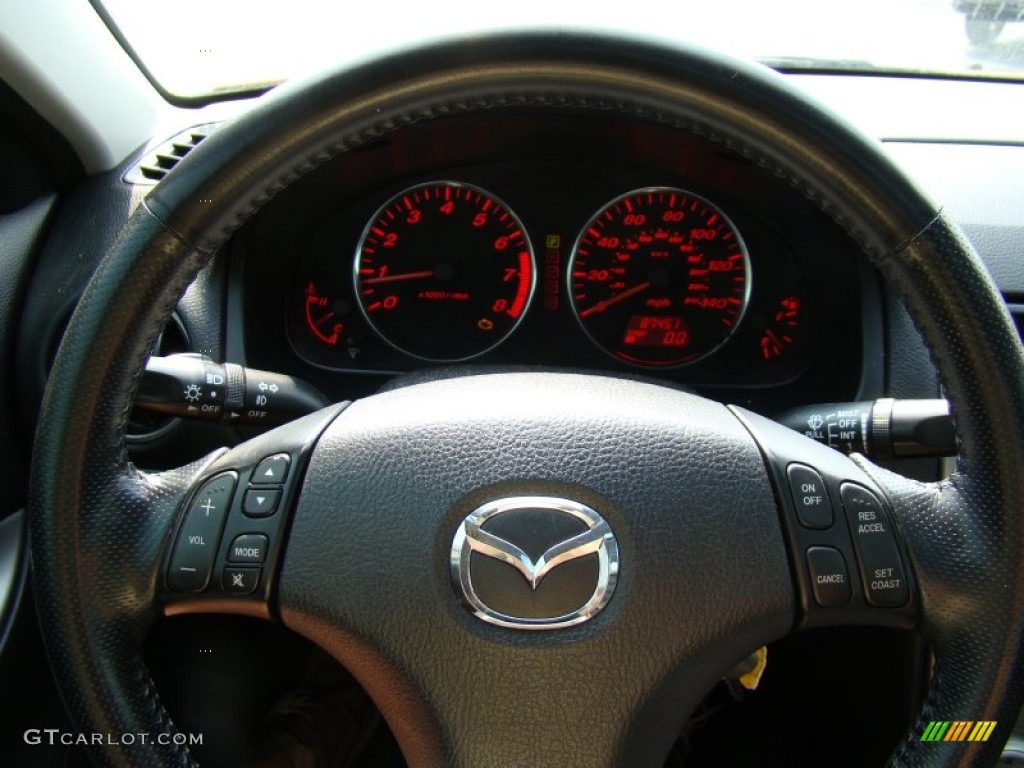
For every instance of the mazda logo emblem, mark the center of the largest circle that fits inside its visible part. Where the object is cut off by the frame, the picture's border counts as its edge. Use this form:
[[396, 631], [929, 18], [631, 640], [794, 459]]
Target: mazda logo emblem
[[534, 562]]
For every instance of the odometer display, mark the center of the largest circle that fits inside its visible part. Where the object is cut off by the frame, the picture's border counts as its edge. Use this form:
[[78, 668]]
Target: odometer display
[[444, 271], [659, 277], [656, 331]]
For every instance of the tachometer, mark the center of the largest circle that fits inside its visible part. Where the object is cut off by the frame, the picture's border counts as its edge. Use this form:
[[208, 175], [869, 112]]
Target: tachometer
[[444, 271], [659, 277]]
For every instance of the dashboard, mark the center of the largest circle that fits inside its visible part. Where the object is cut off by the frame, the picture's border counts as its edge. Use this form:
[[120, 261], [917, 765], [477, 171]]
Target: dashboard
[[288, 293], [610, 245]]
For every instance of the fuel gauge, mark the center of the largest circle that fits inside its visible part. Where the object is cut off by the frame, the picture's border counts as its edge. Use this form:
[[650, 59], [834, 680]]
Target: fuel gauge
[[782, 330]]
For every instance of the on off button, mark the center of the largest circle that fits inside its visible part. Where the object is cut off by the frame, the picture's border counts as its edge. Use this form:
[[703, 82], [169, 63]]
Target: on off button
[[813, 507]]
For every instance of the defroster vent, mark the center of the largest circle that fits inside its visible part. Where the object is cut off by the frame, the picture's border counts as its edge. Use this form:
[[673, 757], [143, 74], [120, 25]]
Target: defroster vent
[[159, 162]]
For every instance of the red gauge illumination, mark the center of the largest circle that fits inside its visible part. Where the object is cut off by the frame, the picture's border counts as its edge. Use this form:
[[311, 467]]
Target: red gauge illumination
[[659, 277], [321, 318], [781, 333], [444, 271], [656, 331]]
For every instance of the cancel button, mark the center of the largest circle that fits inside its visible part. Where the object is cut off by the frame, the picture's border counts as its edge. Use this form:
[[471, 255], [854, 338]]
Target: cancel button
[[830, 581], [248, 548]]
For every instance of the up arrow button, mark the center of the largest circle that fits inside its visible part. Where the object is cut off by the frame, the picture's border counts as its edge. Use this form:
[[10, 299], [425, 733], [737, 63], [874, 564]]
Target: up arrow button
[[272, 470]]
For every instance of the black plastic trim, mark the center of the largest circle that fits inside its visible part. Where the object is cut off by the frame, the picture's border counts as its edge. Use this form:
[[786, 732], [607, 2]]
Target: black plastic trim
[[50, 149], [13, 570]]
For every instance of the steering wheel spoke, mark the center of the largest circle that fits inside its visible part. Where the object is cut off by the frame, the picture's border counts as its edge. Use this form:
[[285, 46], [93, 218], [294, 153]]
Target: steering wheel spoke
[[849, 559], [228, 538]]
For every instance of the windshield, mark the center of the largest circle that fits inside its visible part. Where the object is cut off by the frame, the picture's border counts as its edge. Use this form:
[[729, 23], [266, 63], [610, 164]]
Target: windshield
[[198, 48]]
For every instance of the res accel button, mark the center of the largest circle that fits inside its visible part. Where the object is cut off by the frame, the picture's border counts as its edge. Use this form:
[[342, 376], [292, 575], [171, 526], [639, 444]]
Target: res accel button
[[813, 508], [885, 582], [248, 548], [830, 579]]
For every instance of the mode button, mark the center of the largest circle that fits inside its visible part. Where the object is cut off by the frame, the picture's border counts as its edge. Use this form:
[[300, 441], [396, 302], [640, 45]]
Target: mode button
[[248, 548]]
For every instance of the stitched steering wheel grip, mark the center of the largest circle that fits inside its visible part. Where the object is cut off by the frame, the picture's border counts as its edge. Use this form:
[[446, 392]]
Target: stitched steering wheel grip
[[99, 525]]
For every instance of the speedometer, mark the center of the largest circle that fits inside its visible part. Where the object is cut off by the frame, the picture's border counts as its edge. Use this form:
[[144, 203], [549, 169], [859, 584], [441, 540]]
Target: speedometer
[[659, 277], [444, 271]]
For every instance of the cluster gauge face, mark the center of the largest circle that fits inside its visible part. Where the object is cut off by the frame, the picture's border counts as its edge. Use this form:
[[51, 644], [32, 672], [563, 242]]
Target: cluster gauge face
[[659, 277], [444, 271]]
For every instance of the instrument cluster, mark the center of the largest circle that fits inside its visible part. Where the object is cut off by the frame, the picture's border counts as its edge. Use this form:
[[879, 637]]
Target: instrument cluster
[[653, 277], [553, 241]]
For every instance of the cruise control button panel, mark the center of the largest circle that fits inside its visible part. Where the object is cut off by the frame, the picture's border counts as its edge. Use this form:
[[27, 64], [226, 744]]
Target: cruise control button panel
[[846, 553]]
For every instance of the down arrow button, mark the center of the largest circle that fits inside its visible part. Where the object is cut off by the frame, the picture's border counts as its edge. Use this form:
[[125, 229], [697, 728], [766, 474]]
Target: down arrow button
[[261, 502]]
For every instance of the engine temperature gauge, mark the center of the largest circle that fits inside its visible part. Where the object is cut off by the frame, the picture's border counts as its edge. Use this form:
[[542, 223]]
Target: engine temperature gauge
[[781, 331], [322, 316]]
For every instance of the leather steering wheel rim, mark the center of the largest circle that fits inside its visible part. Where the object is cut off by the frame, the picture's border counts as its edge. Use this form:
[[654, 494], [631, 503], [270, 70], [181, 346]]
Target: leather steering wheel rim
[[965, 535]]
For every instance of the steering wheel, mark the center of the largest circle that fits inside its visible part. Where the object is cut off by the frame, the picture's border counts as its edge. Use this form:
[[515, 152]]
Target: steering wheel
[[399, 510]]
